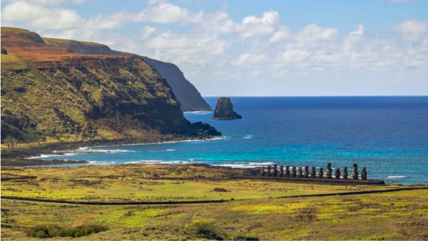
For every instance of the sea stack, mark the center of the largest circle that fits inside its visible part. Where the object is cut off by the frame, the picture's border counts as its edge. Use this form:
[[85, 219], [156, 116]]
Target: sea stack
[[224, 110]]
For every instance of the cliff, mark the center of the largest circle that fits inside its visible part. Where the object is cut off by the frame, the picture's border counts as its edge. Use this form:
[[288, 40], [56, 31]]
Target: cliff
[[50, 93], [185, 92], [224, 110]]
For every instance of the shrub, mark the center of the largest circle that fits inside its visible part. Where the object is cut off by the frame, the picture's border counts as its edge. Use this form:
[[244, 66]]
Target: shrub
[[204, 229], [49, 231]]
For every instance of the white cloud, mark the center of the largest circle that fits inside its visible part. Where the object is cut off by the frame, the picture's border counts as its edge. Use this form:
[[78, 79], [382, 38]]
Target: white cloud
[[252, 26], [412, 29], [100, 22], [293, 56], [147, 31], [217, 23], [281, 34], [164, 13], [40, 17], [187, 49], [249, 59], [152, 2], [49, 2], [314, 35]]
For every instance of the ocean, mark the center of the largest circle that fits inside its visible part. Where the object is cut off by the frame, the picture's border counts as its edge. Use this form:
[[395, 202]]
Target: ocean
[[388, 135]]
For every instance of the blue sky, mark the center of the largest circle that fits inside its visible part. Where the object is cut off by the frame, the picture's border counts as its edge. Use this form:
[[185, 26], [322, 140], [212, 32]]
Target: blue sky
[[255, 48]]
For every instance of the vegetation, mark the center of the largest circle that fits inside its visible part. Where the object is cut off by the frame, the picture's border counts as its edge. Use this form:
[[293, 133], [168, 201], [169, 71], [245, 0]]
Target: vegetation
[[50, 231], [50, 94], [397, 215], [153, 183], [11, 142]]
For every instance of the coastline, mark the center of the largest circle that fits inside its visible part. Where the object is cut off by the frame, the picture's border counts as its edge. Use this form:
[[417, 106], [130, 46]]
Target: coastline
[[62, 147]]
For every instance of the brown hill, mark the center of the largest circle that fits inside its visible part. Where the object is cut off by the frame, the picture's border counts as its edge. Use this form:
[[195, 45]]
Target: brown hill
[[50, 93]]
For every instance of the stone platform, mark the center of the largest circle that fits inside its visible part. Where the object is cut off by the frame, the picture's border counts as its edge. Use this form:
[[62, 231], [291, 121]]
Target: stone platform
[[327, 181]]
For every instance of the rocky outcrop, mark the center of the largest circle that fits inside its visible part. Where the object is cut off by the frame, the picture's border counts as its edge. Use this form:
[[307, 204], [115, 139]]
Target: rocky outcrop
[[188, 96], [50, 93], [205, 129], [224, 110]]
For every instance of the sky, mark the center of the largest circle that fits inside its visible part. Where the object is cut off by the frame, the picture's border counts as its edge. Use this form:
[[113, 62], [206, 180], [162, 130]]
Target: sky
[[254, 48]]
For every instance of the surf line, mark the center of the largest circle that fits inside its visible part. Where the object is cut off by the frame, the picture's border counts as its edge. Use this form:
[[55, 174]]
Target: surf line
[[205, 201]]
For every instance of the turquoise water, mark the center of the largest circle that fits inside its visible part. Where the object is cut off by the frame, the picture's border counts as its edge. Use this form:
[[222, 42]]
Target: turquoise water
[[388, 135]]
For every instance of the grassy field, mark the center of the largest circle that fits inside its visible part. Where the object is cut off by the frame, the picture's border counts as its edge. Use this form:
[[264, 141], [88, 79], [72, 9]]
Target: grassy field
[[255, 211], [144, 183]]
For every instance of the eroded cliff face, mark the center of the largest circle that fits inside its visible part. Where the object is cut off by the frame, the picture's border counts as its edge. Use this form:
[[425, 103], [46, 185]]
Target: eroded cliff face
[[185, 92], [50, 93]]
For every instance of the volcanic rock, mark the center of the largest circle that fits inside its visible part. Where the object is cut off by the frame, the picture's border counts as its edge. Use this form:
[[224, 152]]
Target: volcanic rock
[[206, 129], [224, 110]]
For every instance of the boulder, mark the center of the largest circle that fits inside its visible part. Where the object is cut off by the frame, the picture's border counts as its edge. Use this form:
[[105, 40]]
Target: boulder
[[204, 128], [224, 110]]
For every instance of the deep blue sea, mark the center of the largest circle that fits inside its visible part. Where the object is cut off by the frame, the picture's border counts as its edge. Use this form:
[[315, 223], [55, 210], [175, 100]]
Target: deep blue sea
[[388, 135]]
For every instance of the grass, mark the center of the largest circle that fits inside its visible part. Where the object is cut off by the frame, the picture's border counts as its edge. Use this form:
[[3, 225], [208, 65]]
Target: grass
[[11, 61], [69, 41], [266, 219], [255, 212], [144, 183]]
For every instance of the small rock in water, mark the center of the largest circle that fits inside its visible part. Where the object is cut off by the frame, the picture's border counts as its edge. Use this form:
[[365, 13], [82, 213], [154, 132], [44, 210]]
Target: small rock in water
[[224, 110]]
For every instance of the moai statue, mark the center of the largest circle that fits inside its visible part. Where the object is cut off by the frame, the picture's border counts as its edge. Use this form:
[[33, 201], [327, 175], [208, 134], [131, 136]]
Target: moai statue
[[337, 173], [299, 172], [355, 171], [321, 173], [263, 171], [306, 172], [328, 170], [275, 170], [281, 171], [287, 171], [313, 174], [363, 173], [268, 171], [293, 171], [345, 172]]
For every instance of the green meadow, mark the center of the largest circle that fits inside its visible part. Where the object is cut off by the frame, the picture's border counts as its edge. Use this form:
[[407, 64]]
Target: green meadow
[[253, 209]]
